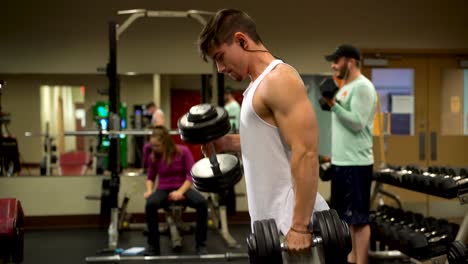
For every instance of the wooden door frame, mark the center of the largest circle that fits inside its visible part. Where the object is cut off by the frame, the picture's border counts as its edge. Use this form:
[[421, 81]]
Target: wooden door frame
[[422, 110], [419, 115]]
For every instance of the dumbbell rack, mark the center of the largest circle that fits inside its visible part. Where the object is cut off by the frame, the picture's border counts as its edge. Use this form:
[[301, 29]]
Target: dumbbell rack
[[422, 238], [395, 178], [439, 185]]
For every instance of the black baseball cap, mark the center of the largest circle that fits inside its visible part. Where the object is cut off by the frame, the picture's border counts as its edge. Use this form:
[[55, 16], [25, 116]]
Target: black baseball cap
[[344, 50]]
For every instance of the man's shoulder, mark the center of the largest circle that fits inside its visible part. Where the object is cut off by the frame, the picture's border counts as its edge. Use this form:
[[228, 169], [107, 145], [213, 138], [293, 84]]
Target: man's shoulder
[[364, 81], [284, 70], [284, 74], [363, 84]]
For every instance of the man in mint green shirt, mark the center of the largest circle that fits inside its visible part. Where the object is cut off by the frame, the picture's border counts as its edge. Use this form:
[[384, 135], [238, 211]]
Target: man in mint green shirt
[[233, 109], [352, 158]]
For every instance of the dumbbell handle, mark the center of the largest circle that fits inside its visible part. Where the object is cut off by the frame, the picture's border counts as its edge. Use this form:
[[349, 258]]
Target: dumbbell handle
[[213, 160], [315, 241]]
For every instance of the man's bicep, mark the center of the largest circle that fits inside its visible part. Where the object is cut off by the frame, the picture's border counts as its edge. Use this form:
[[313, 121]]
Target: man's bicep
[[296, 119], [287, 99], [304, 125]]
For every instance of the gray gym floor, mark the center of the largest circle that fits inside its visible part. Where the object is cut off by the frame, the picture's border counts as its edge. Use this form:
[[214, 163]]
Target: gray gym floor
[[74, 245]]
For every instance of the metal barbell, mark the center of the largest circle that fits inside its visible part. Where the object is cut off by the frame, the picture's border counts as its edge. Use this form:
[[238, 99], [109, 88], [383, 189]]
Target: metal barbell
[[228, 256], [84, 133]]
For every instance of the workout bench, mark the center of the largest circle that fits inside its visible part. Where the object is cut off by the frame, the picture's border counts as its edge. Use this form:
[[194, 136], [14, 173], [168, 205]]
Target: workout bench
[[174, 225]]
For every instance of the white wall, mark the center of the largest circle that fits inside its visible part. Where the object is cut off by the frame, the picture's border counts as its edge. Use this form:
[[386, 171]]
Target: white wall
[[55, 195], [55, 36], [46, 196], [51, 195]]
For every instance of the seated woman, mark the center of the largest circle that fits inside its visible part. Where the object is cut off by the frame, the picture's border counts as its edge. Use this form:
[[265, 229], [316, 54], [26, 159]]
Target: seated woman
[[172, 162]]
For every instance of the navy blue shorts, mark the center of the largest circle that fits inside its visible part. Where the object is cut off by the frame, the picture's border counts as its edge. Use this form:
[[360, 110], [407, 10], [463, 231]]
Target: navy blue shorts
[[350, 193]]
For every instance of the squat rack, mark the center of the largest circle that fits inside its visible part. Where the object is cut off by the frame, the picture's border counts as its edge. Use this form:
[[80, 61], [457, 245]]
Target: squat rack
[[115, 32]]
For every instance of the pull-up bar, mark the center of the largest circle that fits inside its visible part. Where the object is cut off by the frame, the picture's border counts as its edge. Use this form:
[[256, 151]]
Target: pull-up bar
[[138, 13]]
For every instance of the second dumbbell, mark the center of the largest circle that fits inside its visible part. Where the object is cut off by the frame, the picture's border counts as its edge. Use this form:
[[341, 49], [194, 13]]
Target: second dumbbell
[[203, 124], [328, 231]]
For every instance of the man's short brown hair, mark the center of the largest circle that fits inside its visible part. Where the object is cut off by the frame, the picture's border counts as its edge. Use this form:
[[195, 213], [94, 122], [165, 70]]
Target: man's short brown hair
[[221, 27]]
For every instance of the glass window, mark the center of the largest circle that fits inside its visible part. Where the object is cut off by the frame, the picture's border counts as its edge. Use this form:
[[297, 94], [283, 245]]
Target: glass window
[[396, 91]]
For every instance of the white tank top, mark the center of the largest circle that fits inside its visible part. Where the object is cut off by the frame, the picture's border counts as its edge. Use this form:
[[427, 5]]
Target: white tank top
[[266, 160]]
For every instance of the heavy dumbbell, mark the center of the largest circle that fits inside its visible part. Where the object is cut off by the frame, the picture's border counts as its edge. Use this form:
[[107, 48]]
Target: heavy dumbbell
[[411, 232], [325, 171], [396, 175], [201, 125], [328, 230], [382, 174], [434, 169], [393, 176], [402, 230], [414, 169], [413, 173], [442, 181], [416, 179], [452, 179], [457, 253], [328, 89], [431, 181]]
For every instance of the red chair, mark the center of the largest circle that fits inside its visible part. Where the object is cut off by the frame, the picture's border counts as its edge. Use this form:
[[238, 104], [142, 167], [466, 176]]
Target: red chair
[[73, 163], [11, 230]]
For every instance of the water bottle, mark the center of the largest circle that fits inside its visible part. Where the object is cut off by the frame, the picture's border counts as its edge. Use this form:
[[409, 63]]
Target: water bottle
[[112, 231]]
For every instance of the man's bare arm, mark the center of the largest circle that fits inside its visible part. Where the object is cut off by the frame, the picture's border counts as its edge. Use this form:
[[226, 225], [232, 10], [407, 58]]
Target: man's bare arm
[[231, 143], [286, 97], [228, 143]]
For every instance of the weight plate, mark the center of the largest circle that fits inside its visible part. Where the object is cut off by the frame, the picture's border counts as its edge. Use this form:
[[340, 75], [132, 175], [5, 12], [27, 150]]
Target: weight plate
[[276, 239], [252, 249], [204, 179], [268, 238], [320, 229], [329, 245], [202, 168], [260, 239], [216, 187], [200, 125], [343, 234]]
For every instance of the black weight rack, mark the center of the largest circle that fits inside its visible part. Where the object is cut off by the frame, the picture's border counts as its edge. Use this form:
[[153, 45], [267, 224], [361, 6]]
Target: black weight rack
[[443, 182]]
